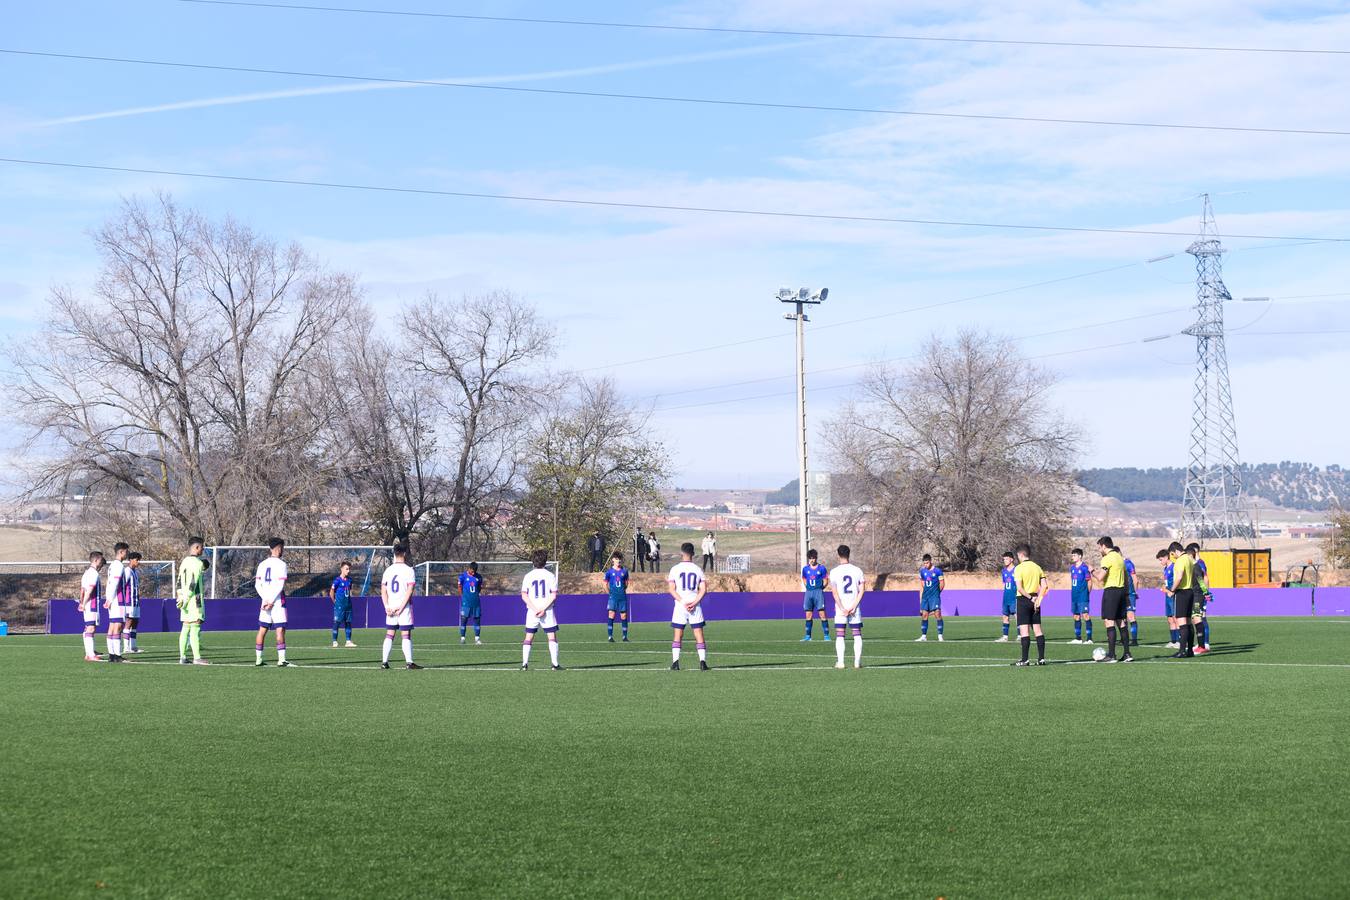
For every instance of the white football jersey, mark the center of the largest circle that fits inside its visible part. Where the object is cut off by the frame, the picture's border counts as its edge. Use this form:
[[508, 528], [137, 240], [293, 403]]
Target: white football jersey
[[687, 578], [89, 588], [399, 580], [270, 581], [847, 579], [113, 586], [539, 584]]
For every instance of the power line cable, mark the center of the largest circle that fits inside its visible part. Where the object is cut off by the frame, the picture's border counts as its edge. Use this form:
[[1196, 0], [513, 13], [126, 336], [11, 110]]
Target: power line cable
[[778, 32], [662, 98]]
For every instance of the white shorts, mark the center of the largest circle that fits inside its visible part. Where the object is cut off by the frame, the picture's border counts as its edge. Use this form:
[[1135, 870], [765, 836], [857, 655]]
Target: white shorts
[[548, 621], [276, 616], [681, 616], [91, 616], [403, 620], [855, 619], [116, 612]]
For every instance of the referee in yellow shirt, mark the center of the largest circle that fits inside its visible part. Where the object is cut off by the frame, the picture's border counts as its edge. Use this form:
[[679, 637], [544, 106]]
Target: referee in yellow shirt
[[1115, 600], [1031, 588], [1183, 593]]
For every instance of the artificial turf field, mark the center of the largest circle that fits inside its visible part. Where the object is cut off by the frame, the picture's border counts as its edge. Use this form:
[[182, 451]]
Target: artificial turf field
[[936, 770]]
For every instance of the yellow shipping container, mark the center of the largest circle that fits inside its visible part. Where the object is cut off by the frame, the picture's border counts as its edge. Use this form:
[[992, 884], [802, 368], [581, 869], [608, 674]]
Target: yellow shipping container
[[1236, 568]]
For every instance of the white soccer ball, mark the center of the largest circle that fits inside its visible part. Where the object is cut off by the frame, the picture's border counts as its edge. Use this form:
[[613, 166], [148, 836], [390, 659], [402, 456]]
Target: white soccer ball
[[1099, 653]]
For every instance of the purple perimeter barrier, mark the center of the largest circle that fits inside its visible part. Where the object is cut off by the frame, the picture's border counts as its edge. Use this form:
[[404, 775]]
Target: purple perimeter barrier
[[317, 613]]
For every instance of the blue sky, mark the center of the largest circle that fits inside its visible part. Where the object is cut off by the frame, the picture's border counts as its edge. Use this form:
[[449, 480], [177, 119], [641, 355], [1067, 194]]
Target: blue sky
[[627, 284]]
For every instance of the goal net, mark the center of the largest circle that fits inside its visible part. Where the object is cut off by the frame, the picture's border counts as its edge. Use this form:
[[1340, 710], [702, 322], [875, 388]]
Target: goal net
[[440, 578], [310, 568]]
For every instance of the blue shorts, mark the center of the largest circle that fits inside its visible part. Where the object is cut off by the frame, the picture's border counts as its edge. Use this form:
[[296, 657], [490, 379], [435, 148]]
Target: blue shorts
[[1078, 604], [1171, 605], [618, 604], [342, 614], [471, 610], [813, 600], [1009, 605], [931, 604]]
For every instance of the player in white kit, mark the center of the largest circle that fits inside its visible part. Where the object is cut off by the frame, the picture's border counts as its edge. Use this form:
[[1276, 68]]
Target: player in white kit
[[539, 590], [89, 599], [846, 582], [396, 591], [131, 601], [270, 583], [114, 590], [688, 587]]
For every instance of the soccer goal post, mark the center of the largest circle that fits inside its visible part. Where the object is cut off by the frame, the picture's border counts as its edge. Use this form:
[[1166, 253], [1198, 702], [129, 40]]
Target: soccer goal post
[[440, 577], [310, 568]]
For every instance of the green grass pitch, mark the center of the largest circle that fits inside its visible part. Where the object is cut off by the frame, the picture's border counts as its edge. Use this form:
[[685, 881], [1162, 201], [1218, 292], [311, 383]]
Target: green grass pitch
[[936, 771]]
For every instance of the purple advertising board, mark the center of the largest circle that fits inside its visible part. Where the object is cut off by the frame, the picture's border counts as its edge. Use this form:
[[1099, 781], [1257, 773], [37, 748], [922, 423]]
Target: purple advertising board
[[439, 611]]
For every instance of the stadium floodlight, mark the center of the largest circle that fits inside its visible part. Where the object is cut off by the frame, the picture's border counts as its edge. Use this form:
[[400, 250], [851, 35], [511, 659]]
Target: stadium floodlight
[[800, 298]]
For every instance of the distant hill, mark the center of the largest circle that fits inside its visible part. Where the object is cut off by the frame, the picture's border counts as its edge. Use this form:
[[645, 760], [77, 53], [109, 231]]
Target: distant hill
[[1291, 485]]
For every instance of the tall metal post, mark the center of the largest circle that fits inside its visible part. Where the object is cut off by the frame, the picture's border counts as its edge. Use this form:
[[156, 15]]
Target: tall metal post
[[803, 503], [1213, 505]]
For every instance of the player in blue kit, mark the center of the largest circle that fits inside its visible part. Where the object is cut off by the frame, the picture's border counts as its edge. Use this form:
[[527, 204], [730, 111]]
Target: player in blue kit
[[1009, 593], [1169, 600], [1131, 585], [815, 579], [340, 592], [930, 600], [1080, 594], [471, 604], [616, 576]]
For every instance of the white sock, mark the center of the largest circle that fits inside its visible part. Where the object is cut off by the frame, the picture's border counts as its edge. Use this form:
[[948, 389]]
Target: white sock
[[388, 646], [281, 654], [258, 653], [407, 649], [675, 654], [114, 646], [702, 654], [525, 654], [857, 649], [131, 644], [839, 650], [553, 651], [88, 645]]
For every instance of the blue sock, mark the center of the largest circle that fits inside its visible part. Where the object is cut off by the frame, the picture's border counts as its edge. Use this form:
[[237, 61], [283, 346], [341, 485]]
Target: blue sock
[[624, 626], [1176, 635], [335, 632], [1089, 629], [477, 625], [940, 621], [1134, 631], [349, 632], [1204, 628], [1077, 629], [610, 624], [809, 623], [923, 627], [1005, 629], [463, 621]]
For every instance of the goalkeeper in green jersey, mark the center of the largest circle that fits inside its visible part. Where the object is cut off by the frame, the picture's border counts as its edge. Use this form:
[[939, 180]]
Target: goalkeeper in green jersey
[[191, 606]]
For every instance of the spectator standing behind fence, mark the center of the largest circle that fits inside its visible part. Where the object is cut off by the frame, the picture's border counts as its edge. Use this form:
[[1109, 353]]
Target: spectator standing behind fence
[[710, 553], [654, 551], [596, 545], [640, 551]]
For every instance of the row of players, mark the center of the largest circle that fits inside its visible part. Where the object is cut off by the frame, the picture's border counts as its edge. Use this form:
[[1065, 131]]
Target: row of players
[[1024, 584]]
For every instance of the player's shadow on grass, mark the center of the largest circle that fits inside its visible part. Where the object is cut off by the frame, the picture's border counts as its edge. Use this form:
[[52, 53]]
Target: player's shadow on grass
[[912, 662], [763, 665], [615, 665], [1228, 649]]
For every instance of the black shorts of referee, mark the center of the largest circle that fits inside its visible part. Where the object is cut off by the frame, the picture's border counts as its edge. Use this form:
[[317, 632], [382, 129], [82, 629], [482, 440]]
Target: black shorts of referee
[[1115, 603], [1183, 602], [1028, 613]]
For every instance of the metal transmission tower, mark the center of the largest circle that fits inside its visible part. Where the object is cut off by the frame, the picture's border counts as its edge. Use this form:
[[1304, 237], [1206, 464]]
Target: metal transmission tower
[[1213, 505]]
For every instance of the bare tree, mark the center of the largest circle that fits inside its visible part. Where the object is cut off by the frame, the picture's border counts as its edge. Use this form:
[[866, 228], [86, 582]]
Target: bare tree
[[187, 376], [591, 458], [959, 454]]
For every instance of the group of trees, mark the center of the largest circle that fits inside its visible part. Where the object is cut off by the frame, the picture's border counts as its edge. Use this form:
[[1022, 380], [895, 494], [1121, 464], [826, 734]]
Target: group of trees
[[1293, 485], [214, 381]]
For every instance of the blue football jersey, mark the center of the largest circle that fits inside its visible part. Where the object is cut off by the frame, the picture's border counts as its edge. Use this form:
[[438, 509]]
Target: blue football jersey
[[342, 589], [1079, 577], [1167, 575], [470, 585], [617, 579], [1009, 583], [929, 577], [814, 577]]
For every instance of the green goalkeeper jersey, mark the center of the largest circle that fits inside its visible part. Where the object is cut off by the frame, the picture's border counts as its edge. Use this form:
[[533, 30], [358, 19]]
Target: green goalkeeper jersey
[[190, 602]]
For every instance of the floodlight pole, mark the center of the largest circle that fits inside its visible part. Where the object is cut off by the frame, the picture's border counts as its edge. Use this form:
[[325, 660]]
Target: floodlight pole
[[800, 298]]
